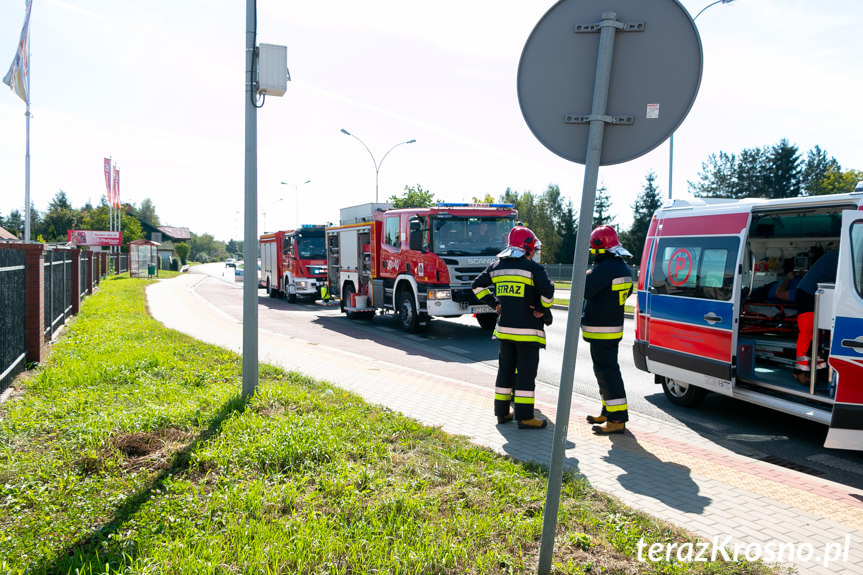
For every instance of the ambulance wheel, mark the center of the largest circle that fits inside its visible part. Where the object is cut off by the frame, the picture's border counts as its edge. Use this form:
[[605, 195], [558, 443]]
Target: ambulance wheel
[[681, 393], [486, 320], [407, 315]]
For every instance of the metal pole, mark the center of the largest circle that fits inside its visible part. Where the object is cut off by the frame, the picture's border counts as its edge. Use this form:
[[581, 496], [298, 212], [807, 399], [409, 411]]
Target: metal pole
[[670, 163], [27, 172], [250, 239], [595, 136]]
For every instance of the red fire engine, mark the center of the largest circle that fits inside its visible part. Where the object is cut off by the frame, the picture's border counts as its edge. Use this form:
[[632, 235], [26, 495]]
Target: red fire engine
[[417, 262], [293, 262]]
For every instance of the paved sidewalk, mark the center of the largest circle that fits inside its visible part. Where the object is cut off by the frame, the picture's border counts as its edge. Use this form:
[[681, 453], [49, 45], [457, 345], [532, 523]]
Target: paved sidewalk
[[660, 468]]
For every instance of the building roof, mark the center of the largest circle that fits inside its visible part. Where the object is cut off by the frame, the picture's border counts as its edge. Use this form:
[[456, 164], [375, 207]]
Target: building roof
[[176, 234], [7, 235]]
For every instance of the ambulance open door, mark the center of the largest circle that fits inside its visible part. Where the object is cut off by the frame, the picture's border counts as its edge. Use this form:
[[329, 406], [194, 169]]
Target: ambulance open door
[[846, 347]]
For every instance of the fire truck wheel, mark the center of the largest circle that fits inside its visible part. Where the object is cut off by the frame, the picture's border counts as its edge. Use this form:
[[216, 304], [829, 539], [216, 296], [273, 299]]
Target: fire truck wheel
[[681, 393], [270, 291], [407, 315], [292, 298]]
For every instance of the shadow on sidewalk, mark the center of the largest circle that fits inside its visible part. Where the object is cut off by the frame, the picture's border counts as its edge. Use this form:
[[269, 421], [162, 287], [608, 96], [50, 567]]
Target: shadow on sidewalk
[[533, 445], [669, 482]]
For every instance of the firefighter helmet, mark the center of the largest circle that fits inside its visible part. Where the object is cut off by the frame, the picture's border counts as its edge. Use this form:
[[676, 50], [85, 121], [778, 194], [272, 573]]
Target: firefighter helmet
[[604, 239], [521, 241]]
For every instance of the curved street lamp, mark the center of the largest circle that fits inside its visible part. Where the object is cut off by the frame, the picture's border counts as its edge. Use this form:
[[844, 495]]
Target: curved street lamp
[[376, 163], [297, 200], [671, 138]]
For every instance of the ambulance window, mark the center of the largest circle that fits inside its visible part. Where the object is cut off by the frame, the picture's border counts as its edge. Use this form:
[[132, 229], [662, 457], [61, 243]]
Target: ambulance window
[[695, 267], [391, 231], [857, 256]]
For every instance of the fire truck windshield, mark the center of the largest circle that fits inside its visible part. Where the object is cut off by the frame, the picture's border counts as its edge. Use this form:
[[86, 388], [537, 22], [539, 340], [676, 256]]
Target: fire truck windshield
[[310, 246], [469, 236]]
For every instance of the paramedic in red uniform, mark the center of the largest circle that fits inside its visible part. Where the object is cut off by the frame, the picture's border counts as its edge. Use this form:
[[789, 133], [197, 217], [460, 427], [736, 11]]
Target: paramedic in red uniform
[[520, 290], [608, 284], [822, 271]]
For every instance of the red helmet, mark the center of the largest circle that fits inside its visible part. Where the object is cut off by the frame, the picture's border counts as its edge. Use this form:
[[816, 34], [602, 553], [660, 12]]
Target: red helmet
[[522, 238], [603, 239]]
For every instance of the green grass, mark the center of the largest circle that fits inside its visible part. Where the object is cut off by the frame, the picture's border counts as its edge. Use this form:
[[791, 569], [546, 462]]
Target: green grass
[[132, 451]]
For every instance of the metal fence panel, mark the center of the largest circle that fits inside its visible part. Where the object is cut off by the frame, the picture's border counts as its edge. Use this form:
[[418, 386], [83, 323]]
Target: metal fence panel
[[13, 348], [84, 274], [58, 289]]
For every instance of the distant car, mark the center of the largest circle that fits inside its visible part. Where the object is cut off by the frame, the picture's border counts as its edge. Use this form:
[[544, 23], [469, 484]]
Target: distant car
[[230, 263]]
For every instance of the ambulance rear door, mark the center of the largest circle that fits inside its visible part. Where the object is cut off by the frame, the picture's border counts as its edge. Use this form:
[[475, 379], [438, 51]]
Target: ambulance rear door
[[692, 299], [846, 348]]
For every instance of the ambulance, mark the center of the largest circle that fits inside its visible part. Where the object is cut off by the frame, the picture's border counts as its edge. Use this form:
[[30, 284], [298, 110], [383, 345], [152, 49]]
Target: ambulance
[[704, 321]]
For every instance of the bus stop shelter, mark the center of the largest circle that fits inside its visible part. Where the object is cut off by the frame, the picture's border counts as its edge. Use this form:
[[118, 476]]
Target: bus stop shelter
[[143, 259]]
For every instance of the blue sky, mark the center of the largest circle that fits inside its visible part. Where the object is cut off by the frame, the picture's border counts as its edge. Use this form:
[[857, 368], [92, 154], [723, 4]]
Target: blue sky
[[158, 86]]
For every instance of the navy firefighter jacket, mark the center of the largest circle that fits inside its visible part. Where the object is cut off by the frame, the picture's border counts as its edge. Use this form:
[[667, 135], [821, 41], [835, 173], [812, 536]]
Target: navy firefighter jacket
[[608, 284], [520, 286]]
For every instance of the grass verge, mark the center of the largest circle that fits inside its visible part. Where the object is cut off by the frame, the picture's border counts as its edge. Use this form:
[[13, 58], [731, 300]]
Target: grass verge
[[131, 451]]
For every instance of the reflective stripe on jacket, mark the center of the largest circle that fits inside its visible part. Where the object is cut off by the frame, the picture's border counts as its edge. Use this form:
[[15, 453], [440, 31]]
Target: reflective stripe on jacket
[[608, 284], [519, 286]]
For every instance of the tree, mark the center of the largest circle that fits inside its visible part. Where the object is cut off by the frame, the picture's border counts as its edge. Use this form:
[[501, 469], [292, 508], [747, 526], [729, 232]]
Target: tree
[[414, 197], [550, 219], [147, 212], [488, 199], [602, 208], [60, 218], [182, 250], [645, 206], [15, 223], [783, 172], [818, 167], [205, 248], [770, 172]]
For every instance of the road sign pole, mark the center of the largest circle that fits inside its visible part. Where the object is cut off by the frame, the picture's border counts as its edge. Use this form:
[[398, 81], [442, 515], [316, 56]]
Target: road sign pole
[[609, 25]]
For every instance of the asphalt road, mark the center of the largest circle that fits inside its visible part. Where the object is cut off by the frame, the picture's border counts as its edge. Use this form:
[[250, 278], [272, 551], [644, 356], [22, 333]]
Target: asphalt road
[[447, 345]]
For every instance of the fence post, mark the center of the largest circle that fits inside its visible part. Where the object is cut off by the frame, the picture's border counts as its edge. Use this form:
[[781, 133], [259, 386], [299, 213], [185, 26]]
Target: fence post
[[34, 301], [76, 280]]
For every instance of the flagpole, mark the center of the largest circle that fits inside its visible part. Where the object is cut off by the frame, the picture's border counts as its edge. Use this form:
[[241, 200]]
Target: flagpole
[[27, 176]]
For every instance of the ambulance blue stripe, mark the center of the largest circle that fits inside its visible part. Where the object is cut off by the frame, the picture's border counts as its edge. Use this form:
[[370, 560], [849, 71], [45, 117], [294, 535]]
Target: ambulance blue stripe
[[846, 328], [691, 310]]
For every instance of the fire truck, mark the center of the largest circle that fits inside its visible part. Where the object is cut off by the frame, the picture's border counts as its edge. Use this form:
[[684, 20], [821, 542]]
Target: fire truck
[[708, 316], [293, 262], [416, 262]]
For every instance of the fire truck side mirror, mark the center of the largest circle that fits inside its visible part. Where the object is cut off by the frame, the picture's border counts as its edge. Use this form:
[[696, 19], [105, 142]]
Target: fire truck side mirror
[[416, 234]]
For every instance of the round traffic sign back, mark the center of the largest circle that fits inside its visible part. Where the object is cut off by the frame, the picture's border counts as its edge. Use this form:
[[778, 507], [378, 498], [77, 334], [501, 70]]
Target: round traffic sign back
[[655, 75]]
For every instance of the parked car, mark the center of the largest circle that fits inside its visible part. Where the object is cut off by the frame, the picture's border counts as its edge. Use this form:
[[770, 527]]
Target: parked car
[[230, 263]]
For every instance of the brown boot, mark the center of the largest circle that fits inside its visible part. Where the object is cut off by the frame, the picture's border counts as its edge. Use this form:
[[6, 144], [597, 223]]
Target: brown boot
[[504, 418], [532, 423], [609, 427], [597, 419]]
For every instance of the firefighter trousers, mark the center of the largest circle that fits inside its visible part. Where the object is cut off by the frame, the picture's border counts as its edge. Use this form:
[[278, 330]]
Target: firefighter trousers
[[603, 353], [517, 364]]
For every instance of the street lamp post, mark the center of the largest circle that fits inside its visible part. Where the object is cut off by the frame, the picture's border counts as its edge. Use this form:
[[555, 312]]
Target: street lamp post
[[297, 199], [376, 163], [671, 138]]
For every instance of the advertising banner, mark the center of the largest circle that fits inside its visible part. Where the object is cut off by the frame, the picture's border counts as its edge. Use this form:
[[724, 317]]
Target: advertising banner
[[95, 238]]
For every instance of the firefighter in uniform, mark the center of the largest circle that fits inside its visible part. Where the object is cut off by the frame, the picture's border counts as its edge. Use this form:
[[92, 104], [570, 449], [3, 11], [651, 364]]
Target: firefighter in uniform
[[608, 284], [519, 288]]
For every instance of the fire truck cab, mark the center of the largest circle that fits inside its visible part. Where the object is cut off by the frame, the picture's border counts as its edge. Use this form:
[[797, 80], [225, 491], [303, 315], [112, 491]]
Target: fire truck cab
[[417, 262], [705, 321], [293, 262]]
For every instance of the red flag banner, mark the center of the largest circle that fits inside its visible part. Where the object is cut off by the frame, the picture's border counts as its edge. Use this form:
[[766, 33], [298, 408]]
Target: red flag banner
[[116, 187], [108, 181]]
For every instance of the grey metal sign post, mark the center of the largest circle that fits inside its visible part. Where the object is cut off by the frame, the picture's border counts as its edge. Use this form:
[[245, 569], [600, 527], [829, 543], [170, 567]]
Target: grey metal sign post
[[644, 83]]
